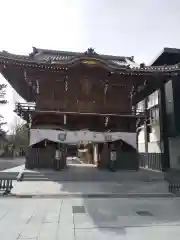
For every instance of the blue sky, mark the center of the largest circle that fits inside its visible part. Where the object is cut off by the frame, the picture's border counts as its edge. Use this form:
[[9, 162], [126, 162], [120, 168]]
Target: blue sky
[[140, 28]]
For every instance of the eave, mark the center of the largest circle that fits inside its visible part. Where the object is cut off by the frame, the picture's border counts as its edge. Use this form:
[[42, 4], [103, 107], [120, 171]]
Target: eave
[[66, 64], [9, 61]]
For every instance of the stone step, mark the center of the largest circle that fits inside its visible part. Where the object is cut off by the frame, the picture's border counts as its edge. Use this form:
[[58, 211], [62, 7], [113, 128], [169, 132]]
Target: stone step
[[81, 177]]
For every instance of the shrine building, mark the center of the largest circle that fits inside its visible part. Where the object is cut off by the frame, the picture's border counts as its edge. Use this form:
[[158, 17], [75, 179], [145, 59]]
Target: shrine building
[[99, 102]]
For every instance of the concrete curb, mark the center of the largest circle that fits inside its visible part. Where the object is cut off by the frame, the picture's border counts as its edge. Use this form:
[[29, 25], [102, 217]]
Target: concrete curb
[[98, 195]]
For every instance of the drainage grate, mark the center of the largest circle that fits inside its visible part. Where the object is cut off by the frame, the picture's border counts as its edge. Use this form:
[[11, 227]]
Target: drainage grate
[[144, 213], [78, 209]]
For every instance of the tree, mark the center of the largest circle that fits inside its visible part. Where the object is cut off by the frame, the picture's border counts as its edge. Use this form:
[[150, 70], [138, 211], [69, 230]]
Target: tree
[[2, 101], [3, 93], [20, 136]]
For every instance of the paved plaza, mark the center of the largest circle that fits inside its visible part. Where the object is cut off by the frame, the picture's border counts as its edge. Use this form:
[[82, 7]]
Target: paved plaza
[[40, 210], [80, 180], [11, 163], [79, 219], [95, 189]]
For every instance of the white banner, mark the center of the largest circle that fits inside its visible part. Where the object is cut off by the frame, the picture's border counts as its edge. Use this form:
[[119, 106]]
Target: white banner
[[75, 137]]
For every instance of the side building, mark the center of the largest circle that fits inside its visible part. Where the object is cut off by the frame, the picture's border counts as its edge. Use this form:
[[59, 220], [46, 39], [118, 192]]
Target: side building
[[158, 137]]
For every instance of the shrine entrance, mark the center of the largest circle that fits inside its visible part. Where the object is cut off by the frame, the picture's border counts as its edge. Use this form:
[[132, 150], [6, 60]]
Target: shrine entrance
[[104, 150], [74, 98]]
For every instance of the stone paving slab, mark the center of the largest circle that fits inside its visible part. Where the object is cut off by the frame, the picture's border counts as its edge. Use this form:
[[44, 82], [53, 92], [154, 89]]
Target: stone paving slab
[[88, 171], [45, 188], [142, 233], [54, 219]]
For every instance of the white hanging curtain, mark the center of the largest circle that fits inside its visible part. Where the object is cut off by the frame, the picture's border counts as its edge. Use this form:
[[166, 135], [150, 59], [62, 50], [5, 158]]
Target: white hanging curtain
[[75, 137]]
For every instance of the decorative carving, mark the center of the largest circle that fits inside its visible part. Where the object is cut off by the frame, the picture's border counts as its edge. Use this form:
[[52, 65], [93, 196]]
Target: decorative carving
[[108, 138], [90, 51]]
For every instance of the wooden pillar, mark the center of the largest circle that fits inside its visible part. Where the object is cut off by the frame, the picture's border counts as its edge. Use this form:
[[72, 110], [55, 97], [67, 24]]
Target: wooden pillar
[[29, 160], [63, 163], [146, 134], [164, 130], [105, 156], [90, 156]]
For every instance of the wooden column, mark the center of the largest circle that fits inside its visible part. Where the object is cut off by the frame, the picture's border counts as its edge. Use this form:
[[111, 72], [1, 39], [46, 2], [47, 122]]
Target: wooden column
[[29, 156], [164, 130], [146, 134], [63, 156], [105, 156]]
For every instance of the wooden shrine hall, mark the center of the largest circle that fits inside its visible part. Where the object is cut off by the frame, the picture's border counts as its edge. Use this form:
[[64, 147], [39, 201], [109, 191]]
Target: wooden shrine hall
[[85, 99]]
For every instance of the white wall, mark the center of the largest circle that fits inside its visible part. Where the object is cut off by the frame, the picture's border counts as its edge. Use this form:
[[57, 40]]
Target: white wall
[[155, 133], [154, 144], [141, 138]]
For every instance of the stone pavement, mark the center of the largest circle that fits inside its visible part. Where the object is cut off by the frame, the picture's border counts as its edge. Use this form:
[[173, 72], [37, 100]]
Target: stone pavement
[[10, 163], [15, 169], [81, 180], [79, 219], [92, 189]]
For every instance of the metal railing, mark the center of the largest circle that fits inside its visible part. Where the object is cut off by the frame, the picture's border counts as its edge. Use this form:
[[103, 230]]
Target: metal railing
[[6, 181], [174, 188]]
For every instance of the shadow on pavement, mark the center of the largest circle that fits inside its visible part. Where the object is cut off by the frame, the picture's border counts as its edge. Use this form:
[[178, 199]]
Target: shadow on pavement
[[99, 212], [6, 163]]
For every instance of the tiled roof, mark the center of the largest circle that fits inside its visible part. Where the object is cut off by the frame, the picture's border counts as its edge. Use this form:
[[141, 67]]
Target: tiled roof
[[53, 56], [47, 57], [51, 59], [14, 56], [125, 62]]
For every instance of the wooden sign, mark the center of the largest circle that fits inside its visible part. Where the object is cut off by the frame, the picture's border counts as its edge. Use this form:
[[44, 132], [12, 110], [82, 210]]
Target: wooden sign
[[108, 138], [62, 136]]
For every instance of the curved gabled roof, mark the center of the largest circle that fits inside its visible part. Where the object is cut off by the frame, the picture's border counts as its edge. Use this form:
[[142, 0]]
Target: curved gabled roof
[[52, 60], [45, 56]]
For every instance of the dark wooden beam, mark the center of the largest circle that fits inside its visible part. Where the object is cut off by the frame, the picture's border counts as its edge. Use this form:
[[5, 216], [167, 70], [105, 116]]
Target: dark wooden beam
[[140, 115]]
